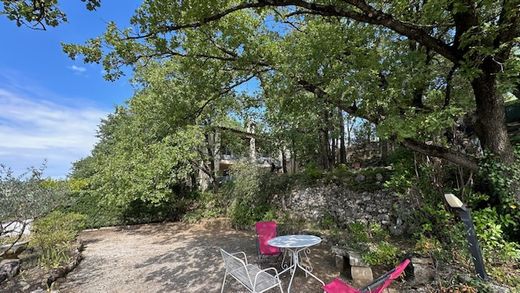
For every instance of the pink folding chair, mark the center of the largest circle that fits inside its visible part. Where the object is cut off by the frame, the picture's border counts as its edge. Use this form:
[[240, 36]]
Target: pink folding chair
[[379, 284], [266, 231]]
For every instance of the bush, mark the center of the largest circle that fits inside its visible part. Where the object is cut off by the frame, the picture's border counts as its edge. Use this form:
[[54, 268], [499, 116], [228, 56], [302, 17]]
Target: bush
[[362, 238], [503, 184], [97, 212], [383, 253], [496, 248], [204, 205], [100, 212], [53, 235], [248, 194]]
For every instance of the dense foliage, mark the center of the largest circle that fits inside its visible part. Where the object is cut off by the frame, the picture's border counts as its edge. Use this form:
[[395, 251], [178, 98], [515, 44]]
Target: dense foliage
[[38, 14], [25, 197], [53, 236]]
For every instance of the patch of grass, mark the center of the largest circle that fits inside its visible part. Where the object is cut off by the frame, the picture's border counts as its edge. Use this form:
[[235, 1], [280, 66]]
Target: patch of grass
[[53, 235]]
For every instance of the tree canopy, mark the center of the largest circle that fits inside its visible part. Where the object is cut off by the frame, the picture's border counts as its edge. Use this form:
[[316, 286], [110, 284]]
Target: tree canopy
[[38, 14], [428, 74]]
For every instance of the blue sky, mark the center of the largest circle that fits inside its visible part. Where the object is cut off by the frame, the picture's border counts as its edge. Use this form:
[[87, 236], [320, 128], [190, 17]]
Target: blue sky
[[50, 106]]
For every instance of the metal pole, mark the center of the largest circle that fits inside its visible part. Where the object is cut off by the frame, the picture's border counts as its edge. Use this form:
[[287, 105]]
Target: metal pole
[[474, 248]]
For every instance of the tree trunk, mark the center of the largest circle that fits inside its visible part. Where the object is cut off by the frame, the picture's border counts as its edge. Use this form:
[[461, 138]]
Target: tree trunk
[[384, 151], [324, 149], [490, 125], [284, 161], [293, 157], [342, 147]]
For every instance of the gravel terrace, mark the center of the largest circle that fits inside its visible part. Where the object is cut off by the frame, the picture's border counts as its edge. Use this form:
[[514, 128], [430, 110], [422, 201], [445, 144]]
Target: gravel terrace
[[174, 257]]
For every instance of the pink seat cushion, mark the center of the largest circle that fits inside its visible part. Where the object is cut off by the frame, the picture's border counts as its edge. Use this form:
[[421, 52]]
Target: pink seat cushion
[[266, 231], [338, 286]]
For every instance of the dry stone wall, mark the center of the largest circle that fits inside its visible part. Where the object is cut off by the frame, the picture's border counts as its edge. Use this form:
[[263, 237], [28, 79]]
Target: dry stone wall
[[344, 206]]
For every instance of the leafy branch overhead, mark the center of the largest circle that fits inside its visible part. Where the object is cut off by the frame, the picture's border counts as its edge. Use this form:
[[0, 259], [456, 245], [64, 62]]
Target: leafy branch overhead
[[372, 48], [39, 14]]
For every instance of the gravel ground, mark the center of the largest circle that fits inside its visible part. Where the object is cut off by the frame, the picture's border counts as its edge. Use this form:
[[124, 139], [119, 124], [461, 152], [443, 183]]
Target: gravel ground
[[173, 257]]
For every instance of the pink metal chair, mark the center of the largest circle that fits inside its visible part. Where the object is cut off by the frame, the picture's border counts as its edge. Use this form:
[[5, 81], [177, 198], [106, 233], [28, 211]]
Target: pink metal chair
[[266, 231], [379, 284]]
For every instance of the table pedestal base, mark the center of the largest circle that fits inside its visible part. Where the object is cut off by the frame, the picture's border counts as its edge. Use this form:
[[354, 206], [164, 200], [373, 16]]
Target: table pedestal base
[[295, 264]]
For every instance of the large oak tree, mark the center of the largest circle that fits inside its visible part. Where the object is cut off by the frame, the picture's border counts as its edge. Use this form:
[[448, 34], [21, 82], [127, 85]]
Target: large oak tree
[[478, 36]]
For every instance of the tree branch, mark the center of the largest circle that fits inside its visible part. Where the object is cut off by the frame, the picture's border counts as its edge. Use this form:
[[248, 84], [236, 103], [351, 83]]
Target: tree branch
[[443, 153], [449, 77], [369, 15], [203, 21], [455, 157]]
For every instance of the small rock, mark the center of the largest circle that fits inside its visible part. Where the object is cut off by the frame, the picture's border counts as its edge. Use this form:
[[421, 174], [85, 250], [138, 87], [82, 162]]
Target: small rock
[[464, 278], [423, 270], [340, 262], [379, 177], [9, 268], [338, 251], [498, 289], [360, 178], [384, 217], [355, 259], [361, 276]]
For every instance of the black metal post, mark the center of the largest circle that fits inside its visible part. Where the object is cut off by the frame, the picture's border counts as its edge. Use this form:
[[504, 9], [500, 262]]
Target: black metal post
[[474, 247]]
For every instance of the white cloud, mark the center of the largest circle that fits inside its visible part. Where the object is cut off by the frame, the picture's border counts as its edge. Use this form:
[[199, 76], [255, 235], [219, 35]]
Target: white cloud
[[78, 69], [32, 130]]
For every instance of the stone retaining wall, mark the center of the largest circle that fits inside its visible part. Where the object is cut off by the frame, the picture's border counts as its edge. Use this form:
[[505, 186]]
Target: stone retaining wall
[[344, 206]]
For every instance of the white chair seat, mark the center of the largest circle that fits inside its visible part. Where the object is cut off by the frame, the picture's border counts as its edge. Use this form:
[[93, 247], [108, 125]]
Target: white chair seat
[[249, 275]]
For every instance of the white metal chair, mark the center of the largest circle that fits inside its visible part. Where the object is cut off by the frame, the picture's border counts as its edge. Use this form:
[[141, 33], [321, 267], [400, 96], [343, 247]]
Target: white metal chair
[[250, 276]]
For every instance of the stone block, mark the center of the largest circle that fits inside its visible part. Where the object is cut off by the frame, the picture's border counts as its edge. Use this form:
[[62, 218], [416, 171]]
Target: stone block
[[355, 260], [336, 250], [361, 276], [423, 270], [9, 268], [340, 262]]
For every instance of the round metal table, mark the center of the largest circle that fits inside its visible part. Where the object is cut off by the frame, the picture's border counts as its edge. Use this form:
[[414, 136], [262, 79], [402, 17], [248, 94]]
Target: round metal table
[[296, 245]]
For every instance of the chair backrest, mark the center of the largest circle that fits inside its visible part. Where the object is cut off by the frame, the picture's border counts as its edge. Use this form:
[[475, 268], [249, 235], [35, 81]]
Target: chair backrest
[[384, 281], [236, 267], [265, 232], [231, 262]]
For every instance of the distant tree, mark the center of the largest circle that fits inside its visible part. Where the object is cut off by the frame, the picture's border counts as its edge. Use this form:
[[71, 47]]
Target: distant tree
[[24, 197], [38, 14]]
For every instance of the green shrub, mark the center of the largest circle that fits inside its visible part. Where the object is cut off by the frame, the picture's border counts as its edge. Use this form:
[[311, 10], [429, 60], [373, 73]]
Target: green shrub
[[358, 232], [488, 224], [377, 232], [384, 253], [430, 246], [97, 212], [204, 205], [248, 194], [362, 238], [311, 174], [503, 182], [327, 222], [53, 235]]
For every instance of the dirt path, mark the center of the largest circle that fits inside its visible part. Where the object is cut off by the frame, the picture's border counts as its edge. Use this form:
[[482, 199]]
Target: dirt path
[[173, 257]]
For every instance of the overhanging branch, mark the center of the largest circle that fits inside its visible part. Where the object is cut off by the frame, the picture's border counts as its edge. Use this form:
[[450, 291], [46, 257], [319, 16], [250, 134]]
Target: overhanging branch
[[447, 154]]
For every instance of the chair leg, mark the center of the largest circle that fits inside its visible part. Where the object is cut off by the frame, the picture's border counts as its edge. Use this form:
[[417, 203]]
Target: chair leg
[[280, 285], [223, 283]]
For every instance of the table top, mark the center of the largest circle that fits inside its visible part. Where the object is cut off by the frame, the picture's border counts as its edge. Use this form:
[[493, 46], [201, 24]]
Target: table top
[[294, 241]]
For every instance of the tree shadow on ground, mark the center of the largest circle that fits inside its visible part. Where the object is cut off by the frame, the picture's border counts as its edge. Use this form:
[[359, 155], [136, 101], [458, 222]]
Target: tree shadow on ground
[[175, 257]]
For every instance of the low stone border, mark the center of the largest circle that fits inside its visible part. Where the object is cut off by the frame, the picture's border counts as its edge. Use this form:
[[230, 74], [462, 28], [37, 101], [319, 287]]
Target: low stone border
[[351, 263], [62, 271], [9, 268]]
